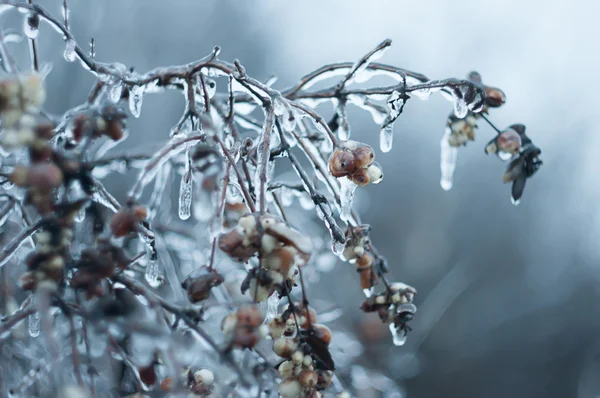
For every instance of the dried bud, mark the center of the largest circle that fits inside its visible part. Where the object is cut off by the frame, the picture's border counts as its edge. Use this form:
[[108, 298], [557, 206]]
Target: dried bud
[[200, 282], [342, 163], [234, 244]]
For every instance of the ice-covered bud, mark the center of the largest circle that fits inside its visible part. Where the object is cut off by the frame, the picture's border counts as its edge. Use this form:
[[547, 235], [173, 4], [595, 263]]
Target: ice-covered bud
[[509, 141], [236, 245], [363, 155], [308, 379], [494, 97], [200, 282], [126, 220], [277, 327], [290, 388], [284, 347], [204, 377], [342, 162], [375, 173]]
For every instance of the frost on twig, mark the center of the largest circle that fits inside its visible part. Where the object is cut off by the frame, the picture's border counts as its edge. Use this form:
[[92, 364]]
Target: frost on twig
[[177, 302]]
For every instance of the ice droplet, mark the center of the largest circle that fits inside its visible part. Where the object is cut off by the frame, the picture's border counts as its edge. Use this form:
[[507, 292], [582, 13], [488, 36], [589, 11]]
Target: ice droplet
[[185, 195], [136, 96], [337, 247], [386, 138], [368, 292], [346, 198], [397, 338], [448, 156], [69, 53], [152, 273], [32, 24], [515, 202], [33, 322]]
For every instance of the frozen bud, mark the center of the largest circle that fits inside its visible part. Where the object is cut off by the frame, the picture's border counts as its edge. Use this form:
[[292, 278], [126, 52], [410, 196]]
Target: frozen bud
[[277, 327], [364, 261], [494, 97], [363, 155], [509, 141], [290, 388], [280, 259], [322, 332], [342, 162], [284, 347], [308, 379], [368, 278], [126, 220], [234, 244], [375, 173], [360, 177], [204, 377], [200, 282], [250, 315]]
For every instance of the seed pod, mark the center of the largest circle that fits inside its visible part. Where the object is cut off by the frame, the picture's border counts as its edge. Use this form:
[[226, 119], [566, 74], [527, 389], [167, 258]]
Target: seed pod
[[360, 177], [342, 163]]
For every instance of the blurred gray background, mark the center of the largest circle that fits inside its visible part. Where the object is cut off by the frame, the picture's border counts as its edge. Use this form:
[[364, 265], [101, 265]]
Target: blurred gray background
[[508, 296]]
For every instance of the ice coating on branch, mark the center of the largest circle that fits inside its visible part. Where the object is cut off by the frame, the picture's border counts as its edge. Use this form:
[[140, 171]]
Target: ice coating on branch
[[346, 198], [31, 25], [360, 76], [386, 138], [424, 93], [378, 112], [285, 113], [272, 306], [448, 156], [343, 130], [185, 195], [69, 53], [136, 96]]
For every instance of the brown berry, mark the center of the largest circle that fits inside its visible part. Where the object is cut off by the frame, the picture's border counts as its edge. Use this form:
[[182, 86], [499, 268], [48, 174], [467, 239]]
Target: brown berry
[[342, 163], [308, 378], [363, 155], [124, 222], [250, 315], [494, 97], [361, 177], [509, 141]]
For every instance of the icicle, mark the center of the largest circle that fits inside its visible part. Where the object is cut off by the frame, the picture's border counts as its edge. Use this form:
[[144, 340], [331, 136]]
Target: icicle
[[360, 76], [69, 53], [33, 321], [448, 156], [397, 338], [386, 138], [32, 24], [515, 202], [136, 96], [343, 130], [152, 272], [203, 202], [272, 306], [346, 198], [185, 195]]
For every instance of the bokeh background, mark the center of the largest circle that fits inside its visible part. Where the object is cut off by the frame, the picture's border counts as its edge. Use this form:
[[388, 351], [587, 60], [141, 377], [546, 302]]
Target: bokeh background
[[508, 296]]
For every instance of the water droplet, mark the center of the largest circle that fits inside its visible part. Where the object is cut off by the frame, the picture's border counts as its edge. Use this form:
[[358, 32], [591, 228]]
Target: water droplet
[[69, 53], [32, 24]]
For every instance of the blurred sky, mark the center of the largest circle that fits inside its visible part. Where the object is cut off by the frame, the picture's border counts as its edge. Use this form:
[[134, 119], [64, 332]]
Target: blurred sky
[[508, 295]]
